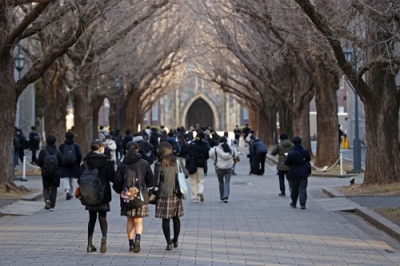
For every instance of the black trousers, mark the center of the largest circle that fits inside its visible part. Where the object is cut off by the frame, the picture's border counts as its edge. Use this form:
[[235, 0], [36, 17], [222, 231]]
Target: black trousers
[[281, 175], [299, 190], [258, 163]]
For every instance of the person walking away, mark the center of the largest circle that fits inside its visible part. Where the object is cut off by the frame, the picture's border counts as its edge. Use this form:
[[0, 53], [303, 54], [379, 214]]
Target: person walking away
[[176, 146], [128, 137], [95, 159], [168, 205], [117, 138], [184, 148], [340, 136], [16, 145], [154, 136], [297, 160], [258, 153], [282, 149], [198, 149], [223, 156], [237, 133], [34, 142], [24, 144], [134, 164], [112, 147], [72, 157], [145, 148], [102, 134], [50, 161]]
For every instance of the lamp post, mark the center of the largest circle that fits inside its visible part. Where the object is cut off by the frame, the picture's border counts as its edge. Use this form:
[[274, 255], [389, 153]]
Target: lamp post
[[19, 63], [118, 85], [348, 53]]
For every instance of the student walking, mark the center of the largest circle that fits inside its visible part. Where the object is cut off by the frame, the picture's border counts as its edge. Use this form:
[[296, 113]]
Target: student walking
[[134, 166], [168, 205], [282, 150], [223, 156], [50, 161], [95, 159], [297, 160], [34, 143], [72, 157], [198, 149]]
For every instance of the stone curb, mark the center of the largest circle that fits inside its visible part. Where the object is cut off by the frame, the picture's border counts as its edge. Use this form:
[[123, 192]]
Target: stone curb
[[370, 216]]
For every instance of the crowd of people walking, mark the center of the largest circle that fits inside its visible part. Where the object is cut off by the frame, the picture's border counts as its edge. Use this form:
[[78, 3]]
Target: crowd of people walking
[[147, 163]]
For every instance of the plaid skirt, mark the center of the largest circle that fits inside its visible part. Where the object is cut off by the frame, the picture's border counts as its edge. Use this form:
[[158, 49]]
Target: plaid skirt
[[167, 208], [140, 212], [104, 207]]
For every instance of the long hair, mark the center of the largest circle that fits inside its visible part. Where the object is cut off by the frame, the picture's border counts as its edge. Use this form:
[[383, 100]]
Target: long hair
[[164, 154], [225, 145]]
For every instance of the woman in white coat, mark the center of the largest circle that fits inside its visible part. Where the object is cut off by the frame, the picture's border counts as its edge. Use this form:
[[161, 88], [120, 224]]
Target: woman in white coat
[[223, 156]]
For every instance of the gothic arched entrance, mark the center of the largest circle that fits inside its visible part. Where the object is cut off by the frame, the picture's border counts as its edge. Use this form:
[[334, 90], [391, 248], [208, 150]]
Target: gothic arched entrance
[[200, 114]]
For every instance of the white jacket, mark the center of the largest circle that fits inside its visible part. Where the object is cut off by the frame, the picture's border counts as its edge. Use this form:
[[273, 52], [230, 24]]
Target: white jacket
[[224, 160]]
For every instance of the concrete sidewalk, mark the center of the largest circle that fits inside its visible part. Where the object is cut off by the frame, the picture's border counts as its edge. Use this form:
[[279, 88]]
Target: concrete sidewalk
[[256, 227]]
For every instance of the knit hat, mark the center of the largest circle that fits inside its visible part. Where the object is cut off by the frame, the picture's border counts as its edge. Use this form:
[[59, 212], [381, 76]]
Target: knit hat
[[283, 136], [296, 140]]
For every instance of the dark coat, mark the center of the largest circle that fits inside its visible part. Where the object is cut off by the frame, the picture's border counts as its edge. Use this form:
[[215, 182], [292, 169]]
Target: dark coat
[[125, 141], [199, 150], [106, 171], [257, 146], [47, 182], [154, 140], [73, 170], [142, 167], [297, 160], [33, 143]]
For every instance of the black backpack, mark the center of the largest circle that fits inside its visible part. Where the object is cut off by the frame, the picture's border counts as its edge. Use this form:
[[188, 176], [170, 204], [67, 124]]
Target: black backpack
[[91, 187], [133, 189], [69, 155], [50, 165], [145, 149]]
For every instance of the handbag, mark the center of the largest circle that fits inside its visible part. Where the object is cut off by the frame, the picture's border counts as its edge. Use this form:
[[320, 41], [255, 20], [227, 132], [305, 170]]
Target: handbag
[[181, 187], [152, 196]]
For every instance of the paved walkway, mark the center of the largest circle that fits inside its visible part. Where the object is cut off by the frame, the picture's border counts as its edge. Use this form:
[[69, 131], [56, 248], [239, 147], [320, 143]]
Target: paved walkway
[[256, 227]]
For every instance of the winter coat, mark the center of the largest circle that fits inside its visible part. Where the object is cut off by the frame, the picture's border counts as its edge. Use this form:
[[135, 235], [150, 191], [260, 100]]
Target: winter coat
[[72, 170], [257, 146], [110, 144], [106, 171], [282, 149], [47, 182], [224, 160], [184, 148], [199, 150], [34, 141], [297, 160], [165, 178], [139, 165], [154, 140]]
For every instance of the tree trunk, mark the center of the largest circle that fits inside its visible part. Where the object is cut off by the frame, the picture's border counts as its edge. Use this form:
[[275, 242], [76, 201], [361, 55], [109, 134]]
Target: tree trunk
[[97, 102], [7, 111], [83, 125], [285, 119], [55, 100], [301, 122], [327, 119]]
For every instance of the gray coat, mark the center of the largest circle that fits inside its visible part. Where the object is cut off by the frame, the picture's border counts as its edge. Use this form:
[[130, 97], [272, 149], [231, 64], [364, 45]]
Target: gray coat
[[165, 179], [284, 147]]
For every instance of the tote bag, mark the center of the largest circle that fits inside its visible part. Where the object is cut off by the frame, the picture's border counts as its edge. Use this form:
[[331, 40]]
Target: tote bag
[[181, 187]]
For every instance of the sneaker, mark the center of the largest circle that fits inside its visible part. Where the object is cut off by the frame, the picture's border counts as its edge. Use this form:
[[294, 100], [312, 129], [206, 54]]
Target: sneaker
[[195, 200], [68, 196], [91, 249], [292, 205], [51, 209], [303, 207], [282, 195], [201, 197], [226, 200], [47, 206], [103, 247], [234, 173]]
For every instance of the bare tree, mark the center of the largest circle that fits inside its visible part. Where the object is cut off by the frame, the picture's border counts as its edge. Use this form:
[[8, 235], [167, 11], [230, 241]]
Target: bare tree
[[372, 26]]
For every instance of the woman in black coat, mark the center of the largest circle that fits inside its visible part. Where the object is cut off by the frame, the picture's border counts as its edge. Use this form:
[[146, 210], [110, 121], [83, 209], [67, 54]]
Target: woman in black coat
[[134, 223], [297, 160], [96, 159]]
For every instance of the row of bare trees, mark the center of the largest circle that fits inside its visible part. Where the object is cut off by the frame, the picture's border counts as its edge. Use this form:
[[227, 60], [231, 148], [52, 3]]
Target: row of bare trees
[[288, 51]]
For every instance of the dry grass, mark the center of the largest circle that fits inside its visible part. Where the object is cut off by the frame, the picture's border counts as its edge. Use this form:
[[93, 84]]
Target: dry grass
[[392, 214]]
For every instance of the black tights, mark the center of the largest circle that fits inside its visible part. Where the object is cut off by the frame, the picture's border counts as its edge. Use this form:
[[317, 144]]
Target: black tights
[[177, 229], [102, 221]]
